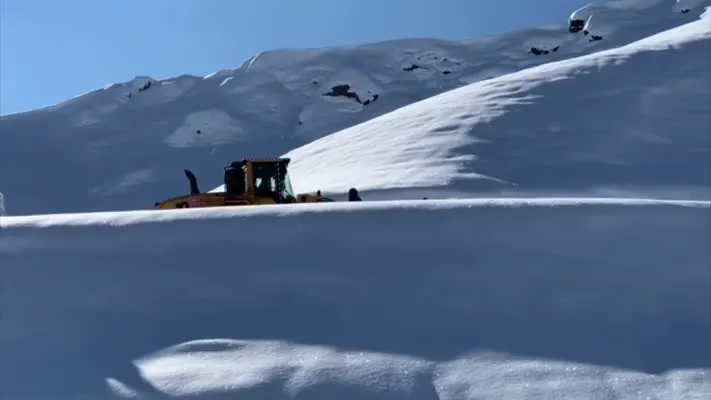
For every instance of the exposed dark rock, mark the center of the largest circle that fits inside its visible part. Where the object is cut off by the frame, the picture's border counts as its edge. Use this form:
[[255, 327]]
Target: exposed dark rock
[[576, 25], [146, 86], [412, 67], [345, 91], [375, 97], [536, 51], [142, 88]]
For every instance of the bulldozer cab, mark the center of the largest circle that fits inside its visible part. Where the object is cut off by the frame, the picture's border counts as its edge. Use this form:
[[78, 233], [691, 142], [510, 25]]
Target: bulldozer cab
[[236, 178], [247, 182], [262, 180]]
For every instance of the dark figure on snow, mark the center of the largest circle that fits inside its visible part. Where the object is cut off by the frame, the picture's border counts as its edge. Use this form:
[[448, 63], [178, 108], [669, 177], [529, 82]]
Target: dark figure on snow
[[353, 195]]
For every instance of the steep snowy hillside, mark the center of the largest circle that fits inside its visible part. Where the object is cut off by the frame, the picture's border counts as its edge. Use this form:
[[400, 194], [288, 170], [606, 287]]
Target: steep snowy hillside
[[124, 146], [634, 118]]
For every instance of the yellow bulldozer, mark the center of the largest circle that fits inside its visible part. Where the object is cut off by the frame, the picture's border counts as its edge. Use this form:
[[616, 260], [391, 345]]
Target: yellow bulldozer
[[247, 182]]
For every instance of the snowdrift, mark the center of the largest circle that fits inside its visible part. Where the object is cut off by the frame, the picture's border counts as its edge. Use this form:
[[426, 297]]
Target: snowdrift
[[470, 299]]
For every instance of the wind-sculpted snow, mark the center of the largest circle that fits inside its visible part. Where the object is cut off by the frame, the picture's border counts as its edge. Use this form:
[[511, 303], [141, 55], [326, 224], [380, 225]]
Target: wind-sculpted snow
[[603, 120], [467, 299], [280, 100]]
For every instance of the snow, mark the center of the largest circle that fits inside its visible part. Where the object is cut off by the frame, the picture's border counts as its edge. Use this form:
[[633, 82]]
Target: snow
[[601, 17], [276, 102], [516, 298], [681, 5], [134, 178], [451, 141], [583, 13], [562, 252], [446, 140], [205, 128]]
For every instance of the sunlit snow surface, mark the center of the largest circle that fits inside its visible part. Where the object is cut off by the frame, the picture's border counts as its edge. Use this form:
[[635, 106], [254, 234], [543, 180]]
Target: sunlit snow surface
[[512, 298], [221, 365]]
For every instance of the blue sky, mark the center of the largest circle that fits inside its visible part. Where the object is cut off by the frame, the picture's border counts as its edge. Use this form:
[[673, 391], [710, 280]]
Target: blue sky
[[51, 50]]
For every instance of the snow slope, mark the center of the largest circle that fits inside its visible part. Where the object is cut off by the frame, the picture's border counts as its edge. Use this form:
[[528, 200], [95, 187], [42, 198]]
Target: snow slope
[[633, 118], [428, 300], [499, 298], [124, 146]]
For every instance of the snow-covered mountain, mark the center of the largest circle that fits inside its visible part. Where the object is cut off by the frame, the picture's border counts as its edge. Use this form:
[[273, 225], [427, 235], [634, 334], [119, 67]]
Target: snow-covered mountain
[[634, 119], [124, 146], [456, 299]]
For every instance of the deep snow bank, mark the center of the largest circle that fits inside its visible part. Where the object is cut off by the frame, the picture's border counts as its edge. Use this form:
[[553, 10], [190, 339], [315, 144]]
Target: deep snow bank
[[464, 299]]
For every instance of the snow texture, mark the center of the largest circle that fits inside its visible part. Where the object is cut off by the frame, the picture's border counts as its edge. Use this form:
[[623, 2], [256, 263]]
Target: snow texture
[[514, 299], [205, 128], [574, 265], [284, 99], [541, 127]]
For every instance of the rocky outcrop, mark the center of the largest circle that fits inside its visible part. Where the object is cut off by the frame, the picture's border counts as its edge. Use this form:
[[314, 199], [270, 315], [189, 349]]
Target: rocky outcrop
[[345, 91]]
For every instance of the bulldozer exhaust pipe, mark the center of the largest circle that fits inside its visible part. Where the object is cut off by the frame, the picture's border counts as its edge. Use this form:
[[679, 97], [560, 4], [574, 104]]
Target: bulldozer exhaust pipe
[[194, 189]]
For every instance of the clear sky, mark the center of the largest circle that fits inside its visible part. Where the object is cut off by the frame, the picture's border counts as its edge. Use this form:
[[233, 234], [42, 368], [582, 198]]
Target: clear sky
[[51, 50]]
